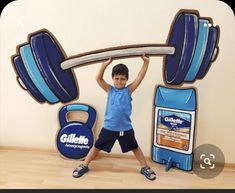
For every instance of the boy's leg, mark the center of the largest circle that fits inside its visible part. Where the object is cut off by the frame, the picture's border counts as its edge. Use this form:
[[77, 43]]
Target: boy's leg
[[139, 156], [145, 169], [105, 142], [128, 143], [91, 155], [83, 168]]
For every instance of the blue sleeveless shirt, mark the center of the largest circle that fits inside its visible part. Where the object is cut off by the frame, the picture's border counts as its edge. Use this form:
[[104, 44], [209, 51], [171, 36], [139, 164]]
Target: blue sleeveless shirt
[[118, 110]]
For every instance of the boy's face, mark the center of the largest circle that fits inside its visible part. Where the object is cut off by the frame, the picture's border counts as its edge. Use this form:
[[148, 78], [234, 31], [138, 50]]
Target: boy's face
[[119, 81]]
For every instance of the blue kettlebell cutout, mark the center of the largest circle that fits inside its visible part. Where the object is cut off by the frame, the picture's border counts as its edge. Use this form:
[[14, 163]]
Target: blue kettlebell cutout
[[75, 139]]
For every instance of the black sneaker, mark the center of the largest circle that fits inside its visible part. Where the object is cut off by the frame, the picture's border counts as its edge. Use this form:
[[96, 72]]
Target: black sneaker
[[80, 170]]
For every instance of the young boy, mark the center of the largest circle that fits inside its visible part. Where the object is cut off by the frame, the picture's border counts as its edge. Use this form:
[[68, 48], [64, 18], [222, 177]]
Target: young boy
[[117, 122]]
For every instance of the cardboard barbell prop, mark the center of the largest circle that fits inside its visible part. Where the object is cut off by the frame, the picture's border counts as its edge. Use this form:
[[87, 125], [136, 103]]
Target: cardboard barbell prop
[[43, 69]]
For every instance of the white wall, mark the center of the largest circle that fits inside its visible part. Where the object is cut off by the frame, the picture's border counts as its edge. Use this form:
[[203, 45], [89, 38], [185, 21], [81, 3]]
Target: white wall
[[85, 25]]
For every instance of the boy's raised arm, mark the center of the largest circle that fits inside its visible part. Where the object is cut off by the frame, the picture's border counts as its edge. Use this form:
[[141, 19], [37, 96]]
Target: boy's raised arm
[[99, 78], [140, 75]]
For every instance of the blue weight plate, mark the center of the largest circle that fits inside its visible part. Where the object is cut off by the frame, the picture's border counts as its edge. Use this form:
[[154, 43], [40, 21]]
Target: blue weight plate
[[35, 74], [211, 44], [183, 37], [199, 51], [23, 74], [49, 57]]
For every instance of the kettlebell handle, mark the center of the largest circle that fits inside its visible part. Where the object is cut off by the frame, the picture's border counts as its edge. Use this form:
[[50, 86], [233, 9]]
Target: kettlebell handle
[[77, 107]]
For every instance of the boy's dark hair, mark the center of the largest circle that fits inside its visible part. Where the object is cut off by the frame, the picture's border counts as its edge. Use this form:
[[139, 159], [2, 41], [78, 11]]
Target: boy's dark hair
[[120, 69]]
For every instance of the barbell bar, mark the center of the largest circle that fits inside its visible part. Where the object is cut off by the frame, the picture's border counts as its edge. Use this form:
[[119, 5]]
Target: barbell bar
[[45, 72]]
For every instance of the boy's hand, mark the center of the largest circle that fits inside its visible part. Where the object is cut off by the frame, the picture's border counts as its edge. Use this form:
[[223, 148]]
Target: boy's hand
[[145, 58], [106, 63]]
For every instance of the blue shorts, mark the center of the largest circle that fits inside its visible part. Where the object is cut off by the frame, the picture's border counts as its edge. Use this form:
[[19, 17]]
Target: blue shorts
[[107, 139]]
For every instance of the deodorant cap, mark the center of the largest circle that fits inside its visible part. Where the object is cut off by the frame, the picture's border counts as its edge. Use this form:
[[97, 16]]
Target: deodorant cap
[[184, 99]]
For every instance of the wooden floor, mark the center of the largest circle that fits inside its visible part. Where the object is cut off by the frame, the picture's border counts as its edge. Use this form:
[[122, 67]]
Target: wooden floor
[[49, 170]]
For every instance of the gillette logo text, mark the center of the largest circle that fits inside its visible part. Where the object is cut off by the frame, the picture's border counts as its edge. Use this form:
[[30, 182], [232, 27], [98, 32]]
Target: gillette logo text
[[172, 120], [72, 138]]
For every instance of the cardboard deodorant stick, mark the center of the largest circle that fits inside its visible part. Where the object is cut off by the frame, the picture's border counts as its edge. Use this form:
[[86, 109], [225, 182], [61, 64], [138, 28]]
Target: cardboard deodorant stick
[[174, 127]]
